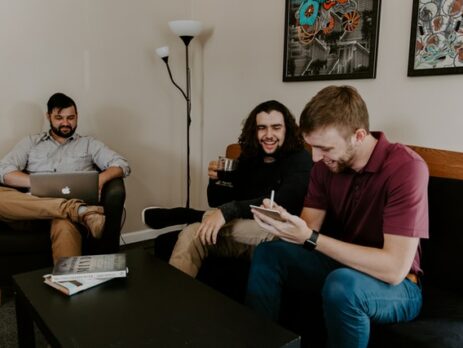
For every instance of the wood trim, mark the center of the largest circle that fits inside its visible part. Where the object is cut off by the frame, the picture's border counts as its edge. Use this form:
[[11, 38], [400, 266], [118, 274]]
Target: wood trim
[[441, 163]]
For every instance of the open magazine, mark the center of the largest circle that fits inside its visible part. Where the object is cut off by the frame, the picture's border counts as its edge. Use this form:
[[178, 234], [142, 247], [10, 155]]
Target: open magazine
[[70, 287], [89, 267]]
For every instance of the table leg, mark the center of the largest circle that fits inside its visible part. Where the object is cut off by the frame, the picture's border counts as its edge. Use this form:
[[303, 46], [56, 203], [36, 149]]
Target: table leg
[[24, 322]]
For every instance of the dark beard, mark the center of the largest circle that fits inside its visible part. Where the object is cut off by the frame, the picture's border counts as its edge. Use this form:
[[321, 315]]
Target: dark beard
[[272, 157], [58, 132]]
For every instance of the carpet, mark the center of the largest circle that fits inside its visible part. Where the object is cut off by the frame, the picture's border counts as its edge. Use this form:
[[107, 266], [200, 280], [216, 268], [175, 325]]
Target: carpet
[[8, 331]]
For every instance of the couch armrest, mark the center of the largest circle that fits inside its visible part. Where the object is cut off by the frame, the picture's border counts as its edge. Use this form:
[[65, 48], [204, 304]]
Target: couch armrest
[[112, 199]]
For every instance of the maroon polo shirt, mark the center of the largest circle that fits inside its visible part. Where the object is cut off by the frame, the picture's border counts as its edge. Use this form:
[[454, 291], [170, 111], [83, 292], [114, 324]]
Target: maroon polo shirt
[[389, 195]]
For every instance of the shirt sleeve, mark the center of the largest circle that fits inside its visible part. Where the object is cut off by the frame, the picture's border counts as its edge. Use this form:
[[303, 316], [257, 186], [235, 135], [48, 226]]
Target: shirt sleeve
[[16, 159], [104, 157], [406, 210], [316, 196]]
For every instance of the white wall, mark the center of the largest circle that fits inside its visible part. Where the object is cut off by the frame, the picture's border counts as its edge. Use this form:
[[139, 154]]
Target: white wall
[[101, 53], [243, 62]]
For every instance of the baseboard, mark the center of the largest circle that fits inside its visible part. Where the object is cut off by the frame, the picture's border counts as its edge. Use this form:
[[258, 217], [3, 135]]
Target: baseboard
[[143, 235]]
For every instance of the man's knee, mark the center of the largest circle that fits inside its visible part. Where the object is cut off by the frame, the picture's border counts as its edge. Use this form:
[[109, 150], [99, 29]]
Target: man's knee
[[188, 234], [341, 287]]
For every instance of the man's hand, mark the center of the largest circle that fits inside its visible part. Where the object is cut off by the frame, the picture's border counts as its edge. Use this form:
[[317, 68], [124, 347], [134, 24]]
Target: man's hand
[[107, 175], [210, 226], [212, 170], [293, 230]]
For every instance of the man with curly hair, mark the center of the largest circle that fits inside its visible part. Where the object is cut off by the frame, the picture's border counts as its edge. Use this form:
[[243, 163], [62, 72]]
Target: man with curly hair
[[272, 157]]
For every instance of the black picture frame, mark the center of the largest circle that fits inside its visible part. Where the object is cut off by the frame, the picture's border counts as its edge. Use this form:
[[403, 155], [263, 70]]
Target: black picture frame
[[436, 38], [330, 39]]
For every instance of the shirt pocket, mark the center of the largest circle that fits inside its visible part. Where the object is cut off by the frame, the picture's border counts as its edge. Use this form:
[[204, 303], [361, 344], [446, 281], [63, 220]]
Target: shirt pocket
[[39, 162], [76, 163]]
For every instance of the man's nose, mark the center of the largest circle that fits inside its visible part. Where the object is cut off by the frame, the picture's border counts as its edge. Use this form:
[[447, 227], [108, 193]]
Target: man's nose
[[268, 133]]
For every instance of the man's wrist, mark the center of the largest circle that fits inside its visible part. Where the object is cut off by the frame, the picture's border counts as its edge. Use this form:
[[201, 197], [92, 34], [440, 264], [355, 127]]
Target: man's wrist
[[311, 242]]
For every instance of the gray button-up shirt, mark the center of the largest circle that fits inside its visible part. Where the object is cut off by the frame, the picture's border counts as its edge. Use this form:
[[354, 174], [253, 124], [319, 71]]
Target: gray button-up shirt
[[41, 153]]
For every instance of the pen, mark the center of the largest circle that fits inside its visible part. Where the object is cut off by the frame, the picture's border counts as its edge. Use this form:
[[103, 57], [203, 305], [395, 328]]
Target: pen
[[272, 196]]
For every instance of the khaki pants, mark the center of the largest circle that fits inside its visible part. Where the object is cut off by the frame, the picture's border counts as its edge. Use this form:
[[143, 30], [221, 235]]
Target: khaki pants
[[16, 208], [236, 238]]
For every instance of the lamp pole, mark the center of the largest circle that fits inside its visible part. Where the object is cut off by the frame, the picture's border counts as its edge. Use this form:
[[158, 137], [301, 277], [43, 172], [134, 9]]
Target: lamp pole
[[186, 30]]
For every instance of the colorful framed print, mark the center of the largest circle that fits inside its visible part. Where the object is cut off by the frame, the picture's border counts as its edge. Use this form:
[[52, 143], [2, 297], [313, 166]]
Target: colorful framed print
[[436, 41], [330, 39]]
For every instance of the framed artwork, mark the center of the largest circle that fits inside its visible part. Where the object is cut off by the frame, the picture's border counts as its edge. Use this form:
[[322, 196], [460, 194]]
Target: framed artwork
[[436, 41], [330, 39]]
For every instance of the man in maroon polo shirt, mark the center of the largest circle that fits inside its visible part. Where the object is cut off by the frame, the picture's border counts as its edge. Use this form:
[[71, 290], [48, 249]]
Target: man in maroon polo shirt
[[369, 198]]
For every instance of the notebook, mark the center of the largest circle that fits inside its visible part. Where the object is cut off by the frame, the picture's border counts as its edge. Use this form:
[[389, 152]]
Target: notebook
[[80, 185]]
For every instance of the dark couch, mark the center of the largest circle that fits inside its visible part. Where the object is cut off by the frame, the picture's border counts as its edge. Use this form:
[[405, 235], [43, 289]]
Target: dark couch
[[440, 323], [22, 251]]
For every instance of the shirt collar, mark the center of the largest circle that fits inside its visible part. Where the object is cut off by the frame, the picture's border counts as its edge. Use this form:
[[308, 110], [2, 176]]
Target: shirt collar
[[47, 136], [379, 153]]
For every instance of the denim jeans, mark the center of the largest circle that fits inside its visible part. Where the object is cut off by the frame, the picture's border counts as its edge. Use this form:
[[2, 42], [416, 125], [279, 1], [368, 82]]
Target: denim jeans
[[351, 299]]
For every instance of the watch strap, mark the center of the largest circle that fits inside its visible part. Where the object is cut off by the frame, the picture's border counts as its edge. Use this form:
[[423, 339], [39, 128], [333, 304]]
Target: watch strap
[[311, 243]]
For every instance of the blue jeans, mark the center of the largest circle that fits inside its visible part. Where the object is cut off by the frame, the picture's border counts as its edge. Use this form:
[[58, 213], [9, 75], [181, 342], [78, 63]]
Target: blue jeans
[[351, 299]]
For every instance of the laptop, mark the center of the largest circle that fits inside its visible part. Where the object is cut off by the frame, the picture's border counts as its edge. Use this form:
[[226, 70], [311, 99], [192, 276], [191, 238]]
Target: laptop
[[80, 185]]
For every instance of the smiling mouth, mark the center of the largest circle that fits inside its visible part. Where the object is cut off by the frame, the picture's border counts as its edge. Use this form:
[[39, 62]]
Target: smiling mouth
[[269, 142], [329, 163]]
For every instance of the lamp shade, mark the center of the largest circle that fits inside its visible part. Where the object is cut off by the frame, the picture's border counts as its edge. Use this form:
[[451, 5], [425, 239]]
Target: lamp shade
[[186, 27], [163, 51]]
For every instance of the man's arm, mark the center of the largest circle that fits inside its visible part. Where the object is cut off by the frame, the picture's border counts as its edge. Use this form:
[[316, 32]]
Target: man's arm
[[105, 158], [389, 264], [108, 175], [12, 165], [217, 194], [17, 179]]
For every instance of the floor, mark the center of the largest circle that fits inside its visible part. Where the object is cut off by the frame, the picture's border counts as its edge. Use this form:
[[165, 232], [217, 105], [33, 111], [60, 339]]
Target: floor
[[8, 333]]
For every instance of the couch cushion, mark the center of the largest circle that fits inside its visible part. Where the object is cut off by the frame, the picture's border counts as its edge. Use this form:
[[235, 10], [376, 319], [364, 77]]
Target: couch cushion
[[19, 241], [442, 261]]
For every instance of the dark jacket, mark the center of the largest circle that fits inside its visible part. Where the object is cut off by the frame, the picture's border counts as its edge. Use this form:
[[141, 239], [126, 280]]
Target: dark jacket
[[254, 180]]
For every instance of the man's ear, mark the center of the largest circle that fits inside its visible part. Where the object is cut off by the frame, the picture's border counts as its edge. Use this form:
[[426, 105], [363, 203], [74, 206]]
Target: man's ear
[[360, 135]]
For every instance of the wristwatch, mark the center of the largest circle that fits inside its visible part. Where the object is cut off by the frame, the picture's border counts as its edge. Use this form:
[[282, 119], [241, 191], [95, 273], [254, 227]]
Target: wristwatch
[[311, 243]]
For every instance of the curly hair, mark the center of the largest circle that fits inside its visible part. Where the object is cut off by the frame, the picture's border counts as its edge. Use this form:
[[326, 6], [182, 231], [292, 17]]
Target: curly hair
[[248, 141]]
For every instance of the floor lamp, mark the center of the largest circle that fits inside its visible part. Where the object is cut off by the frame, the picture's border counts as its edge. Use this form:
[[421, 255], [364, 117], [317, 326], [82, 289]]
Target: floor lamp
[[186, 30]]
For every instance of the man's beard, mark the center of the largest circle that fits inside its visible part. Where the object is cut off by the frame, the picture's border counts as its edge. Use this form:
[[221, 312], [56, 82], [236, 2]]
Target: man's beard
[[61, 134], [344, 163]]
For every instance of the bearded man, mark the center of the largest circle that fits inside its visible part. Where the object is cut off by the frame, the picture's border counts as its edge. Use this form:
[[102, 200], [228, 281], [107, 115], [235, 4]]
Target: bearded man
[[58, 150], [273, 158]]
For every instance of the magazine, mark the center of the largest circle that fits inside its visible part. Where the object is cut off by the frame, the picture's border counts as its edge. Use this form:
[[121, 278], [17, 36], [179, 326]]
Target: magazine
[[90, 266], [70, 287]]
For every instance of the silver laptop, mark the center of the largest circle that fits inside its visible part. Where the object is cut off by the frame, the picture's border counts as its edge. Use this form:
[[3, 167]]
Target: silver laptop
[[80, 185]]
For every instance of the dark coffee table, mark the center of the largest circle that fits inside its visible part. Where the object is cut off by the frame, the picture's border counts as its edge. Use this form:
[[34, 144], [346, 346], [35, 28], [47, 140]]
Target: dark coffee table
[[155, 306]]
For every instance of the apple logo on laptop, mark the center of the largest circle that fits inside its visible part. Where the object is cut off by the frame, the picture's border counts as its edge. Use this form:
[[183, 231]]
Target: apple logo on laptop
[[66, 190]]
